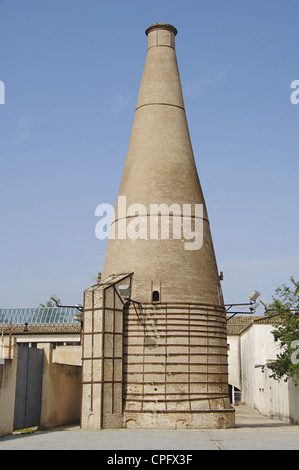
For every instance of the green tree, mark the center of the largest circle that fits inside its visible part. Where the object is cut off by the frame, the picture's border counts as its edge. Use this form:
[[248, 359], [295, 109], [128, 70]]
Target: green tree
[[285, 308], [47, 305]]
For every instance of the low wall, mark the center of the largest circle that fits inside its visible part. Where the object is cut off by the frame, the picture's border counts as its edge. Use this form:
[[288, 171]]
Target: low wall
[[7, 395], [61, 395], [61, 391]]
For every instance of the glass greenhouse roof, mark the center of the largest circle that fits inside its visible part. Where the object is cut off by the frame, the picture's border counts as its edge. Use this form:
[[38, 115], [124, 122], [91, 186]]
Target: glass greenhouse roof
[[37, 316]]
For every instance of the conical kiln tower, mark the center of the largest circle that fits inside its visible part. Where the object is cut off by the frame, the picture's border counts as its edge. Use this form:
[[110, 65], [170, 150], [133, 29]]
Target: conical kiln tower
[[154, 330]]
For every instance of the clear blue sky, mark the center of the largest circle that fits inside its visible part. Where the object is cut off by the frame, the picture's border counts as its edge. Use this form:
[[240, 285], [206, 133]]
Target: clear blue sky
[[72, 71]]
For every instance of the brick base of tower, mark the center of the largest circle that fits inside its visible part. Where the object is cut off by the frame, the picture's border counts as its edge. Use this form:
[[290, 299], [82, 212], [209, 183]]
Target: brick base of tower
[[155, 365], [175, 367], [209, 419]]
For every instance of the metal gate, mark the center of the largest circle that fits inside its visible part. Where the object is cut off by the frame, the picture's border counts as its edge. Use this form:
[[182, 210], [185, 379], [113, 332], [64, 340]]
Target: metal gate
[[28, 387]]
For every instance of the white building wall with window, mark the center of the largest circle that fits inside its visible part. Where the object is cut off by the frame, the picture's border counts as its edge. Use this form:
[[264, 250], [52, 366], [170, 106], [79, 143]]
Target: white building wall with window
[[270, 397]]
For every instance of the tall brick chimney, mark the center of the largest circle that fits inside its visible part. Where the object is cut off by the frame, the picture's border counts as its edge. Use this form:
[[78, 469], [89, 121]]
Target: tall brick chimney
[[173, 371], [160, 169]]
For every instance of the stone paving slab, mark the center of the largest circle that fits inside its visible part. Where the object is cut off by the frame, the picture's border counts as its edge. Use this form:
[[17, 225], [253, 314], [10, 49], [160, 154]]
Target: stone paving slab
[[252, 432]]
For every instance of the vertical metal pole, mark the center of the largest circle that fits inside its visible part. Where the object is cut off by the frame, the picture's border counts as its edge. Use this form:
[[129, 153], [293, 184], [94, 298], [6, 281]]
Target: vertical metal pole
[[9, 347]]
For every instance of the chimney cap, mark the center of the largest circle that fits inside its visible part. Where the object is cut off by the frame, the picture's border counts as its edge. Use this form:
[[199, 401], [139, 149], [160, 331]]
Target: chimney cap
[[161, 26]]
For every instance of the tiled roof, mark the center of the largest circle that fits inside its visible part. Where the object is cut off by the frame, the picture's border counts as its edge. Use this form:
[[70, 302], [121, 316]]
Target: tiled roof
[[239, 323]]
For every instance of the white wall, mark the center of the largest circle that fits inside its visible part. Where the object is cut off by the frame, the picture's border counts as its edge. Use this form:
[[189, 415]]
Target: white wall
[[268, 396], [234, 361], [294, 402]]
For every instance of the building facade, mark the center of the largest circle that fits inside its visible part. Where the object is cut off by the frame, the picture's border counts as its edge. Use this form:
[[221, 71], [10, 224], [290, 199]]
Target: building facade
[[251, 349]]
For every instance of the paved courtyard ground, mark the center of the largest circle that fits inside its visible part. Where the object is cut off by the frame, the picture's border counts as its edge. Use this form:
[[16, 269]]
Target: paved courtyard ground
[[252, 432]]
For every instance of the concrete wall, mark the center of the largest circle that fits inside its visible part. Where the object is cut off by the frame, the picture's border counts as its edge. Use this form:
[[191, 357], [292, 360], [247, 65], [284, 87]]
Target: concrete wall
[[7, 395], [71, 355], [294, 402], [61, 394]]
